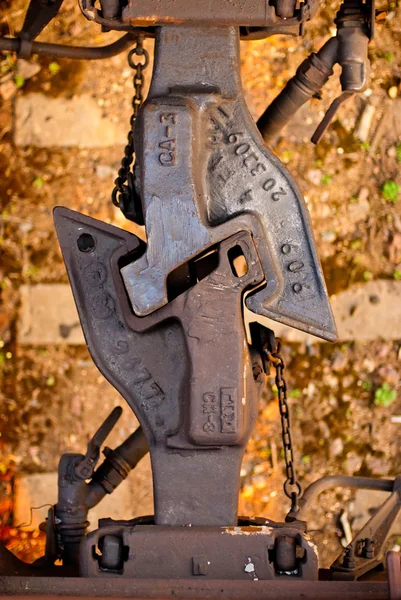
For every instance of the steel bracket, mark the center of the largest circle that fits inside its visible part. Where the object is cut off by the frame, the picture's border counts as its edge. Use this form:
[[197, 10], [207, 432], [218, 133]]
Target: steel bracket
[[205, 175]]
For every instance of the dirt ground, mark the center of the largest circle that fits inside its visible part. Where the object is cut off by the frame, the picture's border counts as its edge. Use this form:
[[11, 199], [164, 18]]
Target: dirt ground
[[344, 397]]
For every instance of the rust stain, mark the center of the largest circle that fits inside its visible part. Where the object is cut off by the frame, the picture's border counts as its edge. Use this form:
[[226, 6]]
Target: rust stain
[[249, 530], [145, 21]]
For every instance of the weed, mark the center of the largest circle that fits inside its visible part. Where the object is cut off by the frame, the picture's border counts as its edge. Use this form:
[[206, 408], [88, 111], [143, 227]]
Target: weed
[[390, 190], [54, 68], [31, 271], [287, 156], [326, 179], [19, 81], [38, 183], [385, 395], [51, 381], [356, 244]]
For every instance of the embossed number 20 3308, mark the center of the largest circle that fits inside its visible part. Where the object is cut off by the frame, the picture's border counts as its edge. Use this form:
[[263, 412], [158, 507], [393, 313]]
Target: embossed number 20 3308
[[252, 163]]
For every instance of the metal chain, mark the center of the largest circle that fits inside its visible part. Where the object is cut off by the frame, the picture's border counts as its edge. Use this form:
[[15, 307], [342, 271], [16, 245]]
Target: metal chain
[[292, 487], [123, 195]]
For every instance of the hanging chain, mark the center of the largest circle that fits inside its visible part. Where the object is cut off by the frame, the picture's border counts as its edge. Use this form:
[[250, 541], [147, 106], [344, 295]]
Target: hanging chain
[[292, 487], [124, 195]]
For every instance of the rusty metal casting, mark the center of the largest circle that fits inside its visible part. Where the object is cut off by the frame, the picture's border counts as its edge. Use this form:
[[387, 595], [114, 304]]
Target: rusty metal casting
[[197, 424], [205, 174], [256, 552], [256, 19]]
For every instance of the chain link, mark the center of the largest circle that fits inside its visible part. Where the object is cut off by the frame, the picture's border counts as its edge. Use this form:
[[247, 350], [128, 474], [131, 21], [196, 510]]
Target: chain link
[[292, 487], [123, 195]]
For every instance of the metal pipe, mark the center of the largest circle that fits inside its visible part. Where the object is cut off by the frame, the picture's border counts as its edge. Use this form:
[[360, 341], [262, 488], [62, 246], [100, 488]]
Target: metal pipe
[[333, 481], [310, 77], [76, 497], [133, 448], [77, 52], [116, 467]]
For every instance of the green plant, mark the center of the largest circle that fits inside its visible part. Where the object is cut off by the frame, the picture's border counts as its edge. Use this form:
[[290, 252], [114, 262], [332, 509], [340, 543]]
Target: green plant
[[19, 81], [7, 65], [397, 275], [390, 190], [287, 156], [389, 56], [38, 183], [51, 381], [295, 393], [385, 395], [325, 180], [356, 244], [398, 152], [54, 68], [31, 271]]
